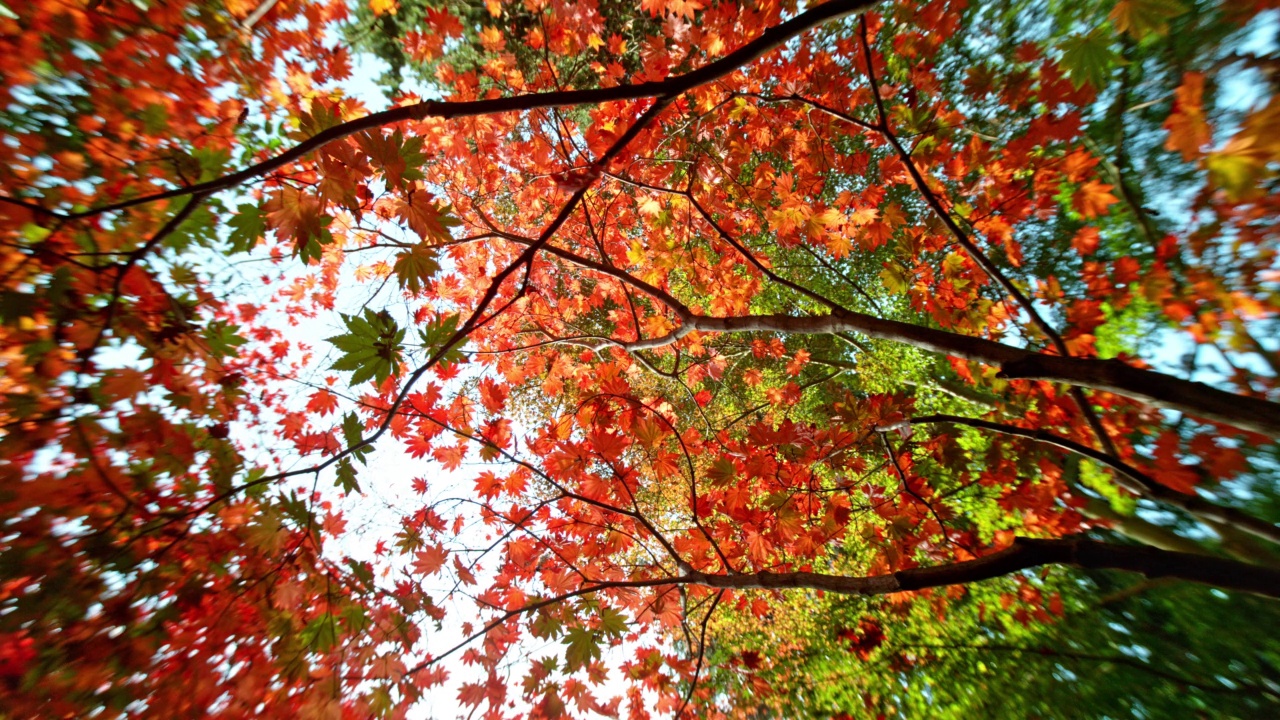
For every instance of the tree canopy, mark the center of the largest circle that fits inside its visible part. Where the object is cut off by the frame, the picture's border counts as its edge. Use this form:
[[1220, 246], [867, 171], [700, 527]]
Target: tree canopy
[[392, 358]]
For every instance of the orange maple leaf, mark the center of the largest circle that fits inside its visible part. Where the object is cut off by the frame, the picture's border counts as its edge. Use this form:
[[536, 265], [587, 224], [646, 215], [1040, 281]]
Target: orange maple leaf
[[1093, 198], [429, 561], [1188, 131]]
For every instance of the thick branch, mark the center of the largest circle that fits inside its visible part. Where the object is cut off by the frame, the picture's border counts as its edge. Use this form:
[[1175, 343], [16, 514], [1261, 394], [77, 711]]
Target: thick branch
[[768, 41], [1025, 553], [1114, 376], [1246, 413]]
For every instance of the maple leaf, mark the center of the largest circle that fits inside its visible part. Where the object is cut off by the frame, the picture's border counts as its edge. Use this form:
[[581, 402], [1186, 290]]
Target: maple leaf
[[677, 8], [471, 694], [581, 648], [416, 266], [651, 206], [1188, 131], [877, 233], [721, 472], [346, 478], [437, 333], [1086, 240], [124, 384], [1089, 58], [1173, 473], [383, 7], [424, 216], [1093, 198], [320, 634], [1235, 170], [247, 227], [451, 456], [1140, 18], [371, 348], [322, 402], [399, 158], [429, 561], [492, 395], [839, 244], [298, 216]]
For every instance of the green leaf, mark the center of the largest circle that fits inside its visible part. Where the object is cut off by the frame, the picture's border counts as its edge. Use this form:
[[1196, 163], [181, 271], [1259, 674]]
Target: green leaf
[[311, 247], [200, 228], [222, 339], [155, 120], [612, 622], [546, 624], [213, 162], [347, 476], [320, 634], [1089, 58], [354, 617], [416, 266], [321, 118], [15, 305], [371, 348], [352, 429], [380, 702], [893, 277], [413, 156], [33, 233], [362, 571], [353, 434], [255, 488], [1237, 174], [297, 510], [247, 226], [581, 648], [437, 333]]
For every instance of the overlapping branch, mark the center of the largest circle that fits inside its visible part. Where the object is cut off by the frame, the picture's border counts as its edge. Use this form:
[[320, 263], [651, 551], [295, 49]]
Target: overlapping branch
[[766, 42], [1131, 478]]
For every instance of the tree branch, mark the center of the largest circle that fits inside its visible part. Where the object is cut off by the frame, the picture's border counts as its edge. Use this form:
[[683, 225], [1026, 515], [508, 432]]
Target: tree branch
[[1138, 481], [768, 41], [1025, 553]]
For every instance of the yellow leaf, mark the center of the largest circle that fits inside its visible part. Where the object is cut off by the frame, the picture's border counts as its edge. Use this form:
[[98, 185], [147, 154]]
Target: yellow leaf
[[827, 217], [651, 207], [636, 253], [1235, 173], [383, 7], [1140, 18], [894, 279], [491, 39]]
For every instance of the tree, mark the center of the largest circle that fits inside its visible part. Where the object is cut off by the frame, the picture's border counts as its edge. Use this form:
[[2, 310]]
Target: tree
[[738, 308]]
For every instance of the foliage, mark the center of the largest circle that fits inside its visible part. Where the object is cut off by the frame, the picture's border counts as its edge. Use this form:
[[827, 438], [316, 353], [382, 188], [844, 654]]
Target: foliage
[[1099, 646], [711, 359]]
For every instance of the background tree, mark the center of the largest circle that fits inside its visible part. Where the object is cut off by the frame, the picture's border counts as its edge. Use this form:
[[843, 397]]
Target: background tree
[[740, 307]]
